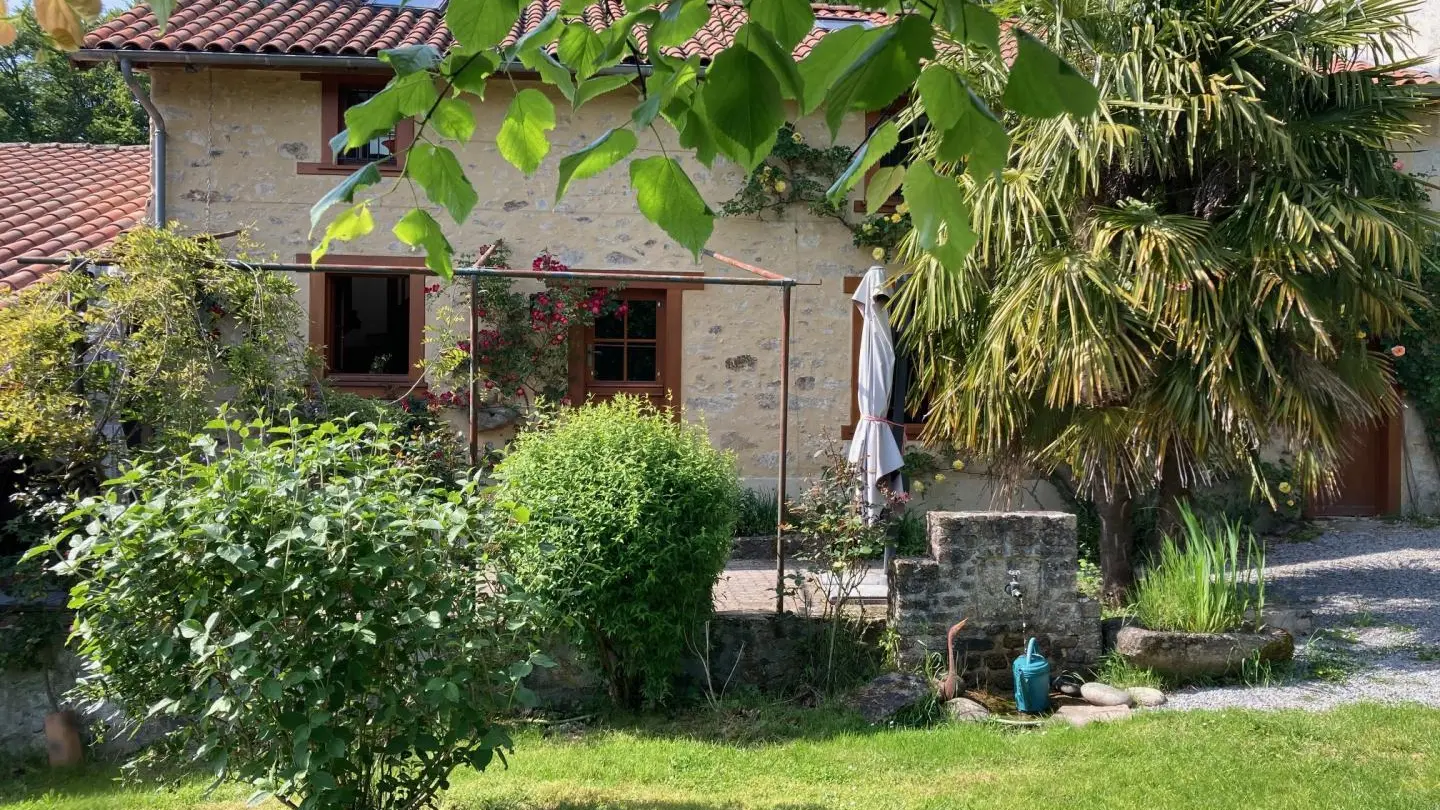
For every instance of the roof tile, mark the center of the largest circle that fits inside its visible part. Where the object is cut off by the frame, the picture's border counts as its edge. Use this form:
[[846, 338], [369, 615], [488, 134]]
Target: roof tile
[[66, 198], [355, 27]]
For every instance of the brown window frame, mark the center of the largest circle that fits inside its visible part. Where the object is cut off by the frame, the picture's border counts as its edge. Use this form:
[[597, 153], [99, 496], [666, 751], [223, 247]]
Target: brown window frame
[[332, 120], [321, 322], [857, 322], [669, 344]]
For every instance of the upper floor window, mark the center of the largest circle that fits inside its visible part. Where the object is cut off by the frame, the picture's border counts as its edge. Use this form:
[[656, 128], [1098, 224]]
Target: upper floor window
[[338, 94]]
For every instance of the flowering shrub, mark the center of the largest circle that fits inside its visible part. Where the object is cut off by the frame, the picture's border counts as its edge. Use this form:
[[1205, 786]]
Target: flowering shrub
[[522, 349]]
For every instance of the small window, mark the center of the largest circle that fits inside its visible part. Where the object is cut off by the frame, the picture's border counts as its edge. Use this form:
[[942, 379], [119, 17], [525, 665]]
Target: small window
[[633, 350], [381, 148], [836, 23], [338, 94], [369, 324], [627, 344]]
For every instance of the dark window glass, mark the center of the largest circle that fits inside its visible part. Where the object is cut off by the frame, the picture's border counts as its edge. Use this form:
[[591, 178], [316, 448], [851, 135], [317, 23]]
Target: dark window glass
[[370, 324], [901, 386], [610, 362], [610, 326], [640, 365], [640, 323], [626, 345], [381, 147]]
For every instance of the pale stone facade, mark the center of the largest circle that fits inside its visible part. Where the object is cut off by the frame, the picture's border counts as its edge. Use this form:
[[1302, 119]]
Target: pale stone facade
[[237, 135]]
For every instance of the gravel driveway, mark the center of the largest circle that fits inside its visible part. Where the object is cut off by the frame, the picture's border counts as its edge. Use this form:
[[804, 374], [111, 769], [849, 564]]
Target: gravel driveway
[[1374, 589]]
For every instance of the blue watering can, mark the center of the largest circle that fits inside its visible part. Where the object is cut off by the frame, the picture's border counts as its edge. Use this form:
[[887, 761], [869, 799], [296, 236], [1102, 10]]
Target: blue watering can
[[1032, 681]]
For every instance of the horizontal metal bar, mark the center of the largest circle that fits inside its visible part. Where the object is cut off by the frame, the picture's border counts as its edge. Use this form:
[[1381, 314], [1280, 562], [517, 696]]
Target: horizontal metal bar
[[494, 272], [290, 61]]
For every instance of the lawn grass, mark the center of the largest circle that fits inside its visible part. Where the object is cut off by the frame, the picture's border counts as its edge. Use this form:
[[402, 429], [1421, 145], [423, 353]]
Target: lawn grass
[[1369, 757]]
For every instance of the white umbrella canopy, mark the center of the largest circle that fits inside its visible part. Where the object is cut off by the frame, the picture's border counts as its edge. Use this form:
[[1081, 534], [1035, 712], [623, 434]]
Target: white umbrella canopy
[[874, 450]]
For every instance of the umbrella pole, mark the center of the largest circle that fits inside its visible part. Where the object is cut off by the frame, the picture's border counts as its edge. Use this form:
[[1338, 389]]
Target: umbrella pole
[[784, 449]]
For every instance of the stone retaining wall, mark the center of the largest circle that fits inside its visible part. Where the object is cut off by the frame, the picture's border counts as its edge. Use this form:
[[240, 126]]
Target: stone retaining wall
[[965, 576]]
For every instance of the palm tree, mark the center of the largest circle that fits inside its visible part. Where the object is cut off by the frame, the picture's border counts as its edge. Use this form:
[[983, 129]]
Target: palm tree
[[1194, 273]]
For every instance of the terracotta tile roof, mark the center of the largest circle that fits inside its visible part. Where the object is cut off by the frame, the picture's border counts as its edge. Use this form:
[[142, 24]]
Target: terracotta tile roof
[[59, 198], [356, 28], [1413, 75]]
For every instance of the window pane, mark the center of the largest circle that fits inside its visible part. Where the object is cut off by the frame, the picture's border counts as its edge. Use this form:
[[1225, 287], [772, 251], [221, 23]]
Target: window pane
[[642, 364], [370, 325], [610, 326], [609, 362], [643, 315], [381, 147]]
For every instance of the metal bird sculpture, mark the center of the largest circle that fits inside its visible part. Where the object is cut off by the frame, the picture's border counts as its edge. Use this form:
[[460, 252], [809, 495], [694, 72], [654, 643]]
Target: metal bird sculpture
[[950, 687]]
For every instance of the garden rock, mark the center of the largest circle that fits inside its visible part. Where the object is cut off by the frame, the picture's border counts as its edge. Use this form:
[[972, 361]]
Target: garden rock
[[1146, 697], [1102, 694], [888, 695], [1080, 715], [965, 710], [1192, 656]]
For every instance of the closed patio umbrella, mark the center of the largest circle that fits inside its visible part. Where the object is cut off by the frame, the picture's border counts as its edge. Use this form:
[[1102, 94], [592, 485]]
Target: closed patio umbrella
[[874, 449]]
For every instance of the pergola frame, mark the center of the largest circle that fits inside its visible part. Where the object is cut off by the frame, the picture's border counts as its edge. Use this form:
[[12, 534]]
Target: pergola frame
[[759, 277]]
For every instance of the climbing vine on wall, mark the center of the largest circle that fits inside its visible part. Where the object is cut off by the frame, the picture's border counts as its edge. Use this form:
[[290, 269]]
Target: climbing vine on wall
[[522, 347], [1417, 355], [798, 173]]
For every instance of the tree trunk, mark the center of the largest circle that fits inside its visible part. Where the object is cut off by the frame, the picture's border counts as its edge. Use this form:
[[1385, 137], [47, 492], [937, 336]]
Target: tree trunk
[[1117, 573]]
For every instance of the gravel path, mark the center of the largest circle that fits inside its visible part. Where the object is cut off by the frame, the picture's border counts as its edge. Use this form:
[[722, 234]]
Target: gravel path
[[1374, 589]]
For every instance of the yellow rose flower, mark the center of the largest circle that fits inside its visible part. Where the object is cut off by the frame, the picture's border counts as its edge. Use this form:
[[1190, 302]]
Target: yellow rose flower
[[879, 254], [902, 208], [939, 478], [894, 217], [1290, 502], [796, 137], [918, 488], [1285, 487], [780, 186], [1361, 335], [957, 465]]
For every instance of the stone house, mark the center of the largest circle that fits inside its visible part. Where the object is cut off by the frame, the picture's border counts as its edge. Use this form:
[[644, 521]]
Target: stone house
[[250, 93]]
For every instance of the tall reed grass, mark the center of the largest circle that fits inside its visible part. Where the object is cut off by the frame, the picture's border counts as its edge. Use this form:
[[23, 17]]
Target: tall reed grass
[[1206, 581]]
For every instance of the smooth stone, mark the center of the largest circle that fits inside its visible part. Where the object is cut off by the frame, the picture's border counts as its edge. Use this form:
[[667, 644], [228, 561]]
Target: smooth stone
[[1147, 697], [1077, 715], [1191, 656], [1103, 694], [1068, 688], [966, 710]]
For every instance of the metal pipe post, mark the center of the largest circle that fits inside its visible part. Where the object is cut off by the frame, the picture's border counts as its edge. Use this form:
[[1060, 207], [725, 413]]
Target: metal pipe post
[[474, 372], [784, 449]]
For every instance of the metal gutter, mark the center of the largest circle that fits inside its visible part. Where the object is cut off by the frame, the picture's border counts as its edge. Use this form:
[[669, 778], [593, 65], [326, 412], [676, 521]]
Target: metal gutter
[[157, 140], [287, 61]]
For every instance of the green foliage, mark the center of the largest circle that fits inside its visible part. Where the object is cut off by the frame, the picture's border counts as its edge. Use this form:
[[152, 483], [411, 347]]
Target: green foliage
[[1203, 582], [93, 363], [631, 514], [733, 107], [325, 618], [1129, 314], [45, 97], [795, 172], [1417, 353], [425, 439], [756, 512], [1118, 672]]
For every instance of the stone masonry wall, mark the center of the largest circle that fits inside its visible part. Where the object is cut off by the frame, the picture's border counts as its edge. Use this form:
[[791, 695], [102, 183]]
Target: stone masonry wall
[[965, 576]]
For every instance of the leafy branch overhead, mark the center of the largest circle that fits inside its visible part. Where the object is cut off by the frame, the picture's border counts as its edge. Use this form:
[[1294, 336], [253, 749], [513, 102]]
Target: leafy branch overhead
[[731, 105]]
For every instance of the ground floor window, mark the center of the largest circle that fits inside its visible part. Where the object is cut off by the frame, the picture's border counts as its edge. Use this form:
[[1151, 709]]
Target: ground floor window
[[635, 349], [368, 327]]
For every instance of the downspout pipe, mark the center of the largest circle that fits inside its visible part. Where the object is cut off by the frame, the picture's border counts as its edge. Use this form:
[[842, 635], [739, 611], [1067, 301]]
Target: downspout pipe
[[157, 140]]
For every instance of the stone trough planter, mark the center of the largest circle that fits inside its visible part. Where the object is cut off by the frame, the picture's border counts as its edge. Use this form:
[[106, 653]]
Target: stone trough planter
[[1192, 656]]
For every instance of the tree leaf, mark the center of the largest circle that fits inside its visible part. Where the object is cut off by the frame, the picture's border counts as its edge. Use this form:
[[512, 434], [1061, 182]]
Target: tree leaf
[[437, 171], [644, 113], [881, 186], [836, 51], [1042, 85], [944, 95], [617, 35], [454, 119], [61, 22], [971, 24], [598, 86], [352, 224], [880, 143], [467, 69], [936, 202], [604, 152], [978, 138], [163, 9], [669, 199], [418, 229], [887, 68], [403, 97], [781, 64], [742, 101], [581, 49], [678, 23], [271, 690], [481, 24], [367, 175], [551, 71], [522, 139], [411, 58], [789, 20]]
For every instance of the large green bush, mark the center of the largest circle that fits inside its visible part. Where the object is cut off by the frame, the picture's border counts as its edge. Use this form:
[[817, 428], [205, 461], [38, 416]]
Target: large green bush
[[631, 514], [317, 611]]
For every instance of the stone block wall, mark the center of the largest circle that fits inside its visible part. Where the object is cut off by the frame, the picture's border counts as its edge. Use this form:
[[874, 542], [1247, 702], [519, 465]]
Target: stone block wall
[[965, 576]]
